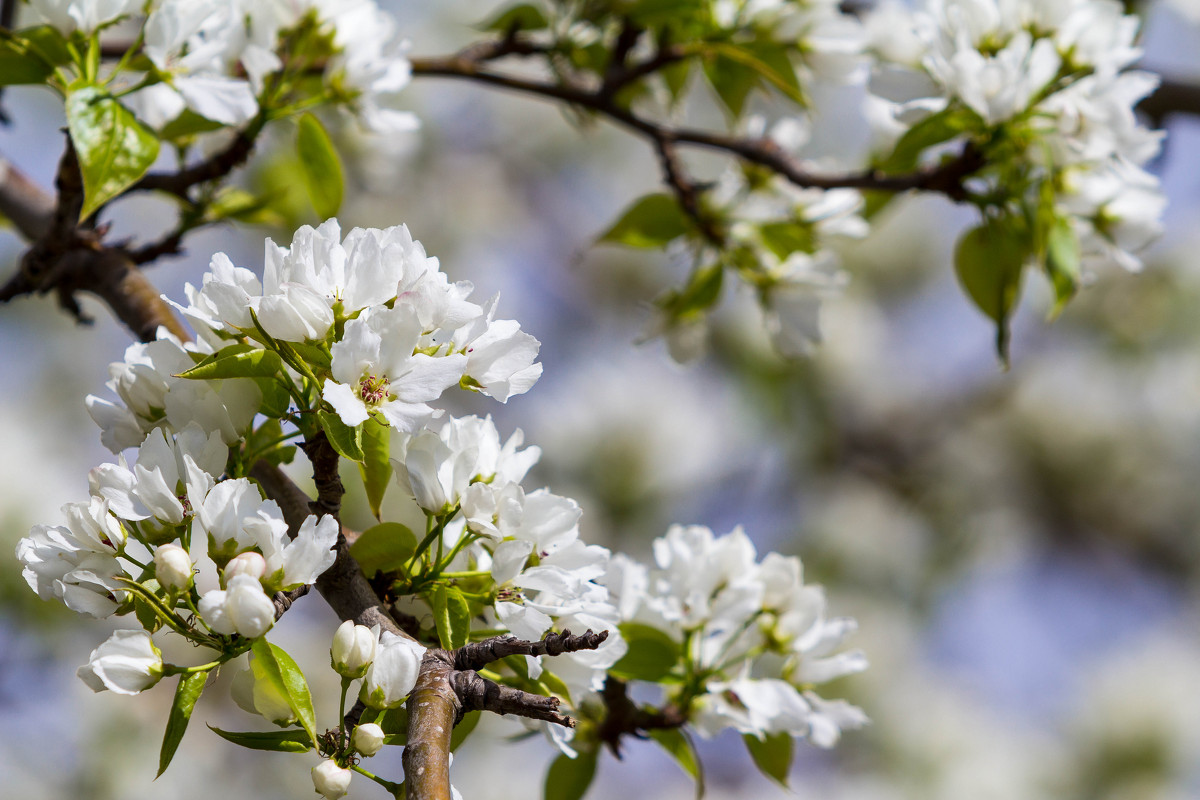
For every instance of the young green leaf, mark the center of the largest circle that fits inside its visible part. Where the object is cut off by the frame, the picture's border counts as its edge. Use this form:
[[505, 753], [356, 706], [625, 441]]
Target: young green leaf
[[186, 695], [521, 17], [276, 400], [282, 671], [732, 81], [20, 65], [320, 166], [346, 441], [114, 149], [383, 547], [237, 364], [989, 261], [1062, 261], [652, 221], [278, 741], [652, 654], [451, 615], [772, 755], [569, 778], [375, 468], [680, 747], [785, 238], [933, 130]]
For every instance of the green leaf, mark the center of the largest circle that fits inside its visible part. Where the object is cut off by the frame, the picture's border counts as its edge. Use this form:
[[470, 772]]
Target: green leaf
[[276, 400], [283, 673], [785, 238], [18, 65], [680, 748], [569, 778], [114, 149], [189, 123], [48, 43], [383, 547], [277, 741], [186, 695], [394, 721], [320, 166], [656, 13], [932, 130], [772, 755], [989, 260], [313, 355], [521, 17], [732, 81], [346, 441], [652, 221], [652, 654], [240, 363], [463, 729], [1062, 262], [376, 469], [452, 616], [675, 78]]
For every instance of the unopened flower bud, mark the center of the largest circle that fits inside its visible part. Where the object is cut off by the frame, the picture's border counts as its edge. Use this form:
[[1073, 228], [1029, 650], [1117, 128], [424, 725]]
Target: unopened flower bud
[[331, 780], [353, 650], [393, 673], [367, 739], [127, 663], [173, 567], [250, 563]]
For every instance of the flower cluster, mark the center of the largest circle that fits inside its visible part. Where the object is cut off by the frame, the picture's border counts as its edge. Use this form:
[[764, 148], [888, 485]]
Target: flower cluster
[[1045, 89], [345, 343], [224, 60], [522, 547], [751, 636]]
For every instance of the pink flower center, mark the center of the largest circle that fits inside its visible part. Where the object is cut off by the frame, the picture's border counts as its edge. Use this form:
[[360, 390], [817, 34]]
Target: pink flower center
[[373, 390]]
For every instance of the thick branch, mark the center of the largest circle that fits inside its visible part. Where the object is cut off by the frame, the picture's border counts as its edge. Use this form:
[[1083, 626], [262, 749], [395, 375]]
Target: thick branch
[[23, 202], [626, 718], [477, 693], [477, 655], [433, 710]]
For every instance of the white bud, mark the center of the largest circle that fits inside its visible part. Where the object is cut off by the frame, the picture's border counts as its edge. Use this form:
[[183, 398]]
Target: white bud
[[173, 567], [367, 739], [393, 673], [250, 563], [353, 649], [331, 780], [127, 663]]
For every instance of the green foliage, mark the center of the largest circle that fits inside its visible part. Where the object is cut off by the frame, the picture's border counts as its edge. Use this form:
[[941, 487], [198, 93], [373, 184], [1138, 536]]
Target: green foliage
[[652, 653], [236, 361], [680, 747], [114, 149], [1062, 261], [285, 676], [320, 166], [933, 130], [277, 741], [186, 695], [451, 615], [375, 469], [569, 778], [701, 293], [347, 441], [652, 221], [384, 547], [521, 17], [989, 261], [785, 238], [772, 755]]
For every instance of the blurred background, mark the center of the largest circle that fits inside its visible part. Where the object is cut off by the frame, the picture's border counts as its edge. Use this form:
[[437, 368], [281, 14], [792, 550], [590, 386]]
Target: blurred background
[[1021, 548]]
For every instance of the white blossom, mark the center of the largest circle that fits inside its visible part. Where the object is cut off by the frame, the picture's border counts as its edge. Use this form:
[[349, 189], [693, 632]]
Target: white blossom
[[242, 608], [393, 672], [331, 780], [353, 650], [128, 662], [367, 739]]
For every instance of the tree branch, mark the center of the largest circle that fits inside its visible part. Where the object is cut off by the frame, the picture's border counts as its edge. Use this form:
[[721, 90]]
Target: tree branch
[[946, 178], [477, 655]]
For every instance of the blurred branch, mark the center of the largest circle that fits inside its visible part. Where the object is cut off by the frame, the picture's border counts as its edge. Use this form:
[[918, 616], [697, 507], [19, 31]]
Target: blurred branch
[[946, 178], [1171, 97]]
